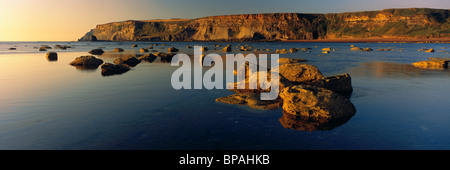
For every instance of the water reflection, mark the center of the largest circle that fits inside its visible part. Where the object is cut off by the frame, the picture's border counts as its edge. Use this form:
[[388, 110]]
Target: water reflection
[[391, 70], [86, 68], [310, 124]]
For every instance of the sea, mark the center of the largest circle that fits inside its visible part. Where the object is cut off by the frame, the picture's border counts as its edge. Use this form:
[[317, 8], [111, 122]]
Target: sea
[[51, 105]]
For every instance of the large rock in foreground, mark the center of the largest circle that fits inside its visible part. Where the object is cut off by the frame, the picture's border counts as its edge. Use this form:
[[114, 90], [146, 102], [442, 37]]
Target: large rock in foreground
[[88, 61], [52, 56], [341, 84], [310, 101]]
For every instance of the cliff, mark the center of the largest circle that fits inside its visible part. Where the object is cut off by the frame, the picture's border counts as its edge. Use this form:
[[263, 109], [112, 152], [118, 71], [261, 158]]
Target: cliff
[[405, 23]]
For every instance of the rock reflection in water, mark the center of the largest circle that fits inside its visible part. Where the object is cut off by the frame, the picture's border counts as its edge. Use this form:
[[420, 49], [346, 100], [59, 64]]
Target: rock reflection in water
[[86, 68], [310, 124], [390, 70]]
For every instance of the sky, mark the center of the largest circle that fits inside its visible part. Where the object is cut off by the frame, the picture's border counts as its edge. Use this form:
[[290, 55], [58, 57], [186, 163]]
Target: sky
[[68, 20]]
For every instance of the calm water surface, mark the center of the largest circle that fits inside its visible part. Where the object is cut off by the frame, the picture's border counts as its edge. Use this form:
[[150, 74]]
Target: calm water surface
[[52, 105]]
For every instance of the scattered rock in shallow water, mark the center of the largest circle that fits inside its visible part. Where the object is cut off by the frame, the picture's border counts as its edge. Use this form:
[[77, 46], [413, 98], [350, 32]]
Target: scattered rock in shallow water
[[282, 51], [134, 45], [326, 49], [355, 49], [149, 47], [310, 101], [128, 61], [227, 48], [143, 50], [188, 46], [172, 49], [432, 64], [431, 50], [52, 56], [112, 69], [252, 100], [290, 60], [367, 49], [97, 51], [147, 57], [204, 49], [87, 61], [11, 48], [341, 84], [118, 50], [293, 50]]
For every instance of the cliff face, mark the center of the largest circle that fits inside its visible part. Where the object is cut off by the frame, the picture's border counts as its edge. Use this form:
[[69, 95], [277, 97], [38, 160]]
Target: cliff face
[[408, 23]]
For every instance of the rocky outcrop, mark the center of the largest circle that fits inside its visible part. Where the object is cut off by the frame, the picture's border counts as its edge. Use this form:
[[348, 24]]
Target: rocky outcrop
[[52, 56], [87, 62], [341, 84], [290, 60], [300, 73], [109, 69], [434, 64], [407, 23], [130, 61], [97, 51], [311, 101]]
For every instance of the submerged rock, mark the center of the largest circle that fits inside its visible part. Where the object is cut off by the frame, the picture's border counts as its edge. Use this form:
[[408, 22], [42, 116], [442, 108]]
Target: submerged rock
[[134, 45], [310, 101], [89, 61], [290, 60], [367, 49], [431, 50], [341, 84], [52, 56], [293, 50], [112, 69], [118, 50], [11, 48], [128, 61], [282, 51], [227, 48], [97, 51], [252, 100]]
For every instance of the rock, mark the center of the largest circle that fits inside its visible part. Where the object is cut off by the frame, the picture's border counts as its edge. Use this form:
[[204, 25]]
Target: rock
[[11, 48], [290, 60], [300, 73], [352, 46], [310, 124], [189, 47], [325, 52], [283, 51], [252, 100], [128, 61], [149, 47], [52, 56], [384, 49], [172, 49], [118, 50], [293, 50], [310, 101], [62, 47], [87, 61], [431, 50], [227, 48], [341, 84], [112, 69], [97, 51], [45, 47], [142, 50], [355, 49], [42, 49], [204, 49], [134, 45], [326, 49], [432, 64], [367, 49], [148, 57]]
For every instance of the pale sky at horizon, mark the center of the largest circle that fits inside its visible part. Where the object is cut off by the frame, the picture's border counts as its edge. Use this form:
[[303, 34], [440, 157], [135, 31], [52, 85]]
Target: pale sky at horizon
[[68, 20]]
